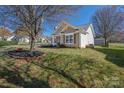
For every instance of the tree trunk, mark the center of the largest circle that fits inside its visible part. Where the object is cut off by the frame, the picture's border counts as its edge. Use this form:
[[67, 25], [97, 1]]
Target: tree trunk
[[32, 44], [106, 42]]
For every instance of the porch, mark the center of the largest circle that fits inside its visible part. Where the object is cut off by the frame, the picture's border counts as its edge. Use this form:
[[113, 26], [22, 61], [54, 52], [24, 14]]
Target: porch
[[68, 39]]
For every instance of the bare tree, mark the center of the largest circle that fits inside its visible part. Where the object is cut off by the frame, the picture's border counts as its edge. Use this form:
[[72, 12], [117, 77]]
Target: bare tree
[[106, 20], [33, 17]]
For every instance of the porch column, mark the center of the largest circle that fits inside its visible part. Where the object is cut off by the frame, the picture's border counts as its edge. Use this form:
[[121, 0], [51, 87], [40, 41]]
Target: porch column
[[73, 39], [53, 43], [61, 38]]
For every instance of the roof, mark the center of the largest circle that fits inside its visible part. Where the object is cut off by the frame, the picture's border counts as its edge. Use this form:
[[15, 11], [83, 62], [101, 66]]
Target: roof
[[5, 32], [84, 27], [24, 32], [21, 32], [45, 37], [68, 28]]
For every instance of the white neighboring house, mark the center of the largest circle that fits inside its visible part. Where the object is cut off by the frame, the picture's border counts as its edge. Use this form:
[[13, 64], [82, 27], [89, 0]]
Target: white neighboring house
[[21, 36], [73, 36], [25, 39], [45, 40], [10, 38], [22, 39], [0, 38]]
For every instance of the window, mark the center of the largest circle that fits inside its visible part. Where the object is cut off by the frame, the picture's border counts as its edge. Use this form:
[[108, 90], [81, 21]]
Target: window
[[56, 39], [69, 39]]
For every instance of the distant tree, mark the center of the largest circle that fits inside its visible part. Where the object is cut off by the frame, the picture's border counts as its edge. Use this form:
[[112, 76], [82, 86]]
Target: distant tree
[[3, 26], [4, 33], [105, 21], [33, 17]]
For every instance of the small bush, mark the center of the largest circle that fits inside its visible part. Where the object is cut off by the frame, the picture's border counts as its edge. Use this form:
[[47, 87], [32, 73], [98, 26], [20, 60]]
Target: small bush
[[62, 46], [47, 46], [6, 43], [90, 46]]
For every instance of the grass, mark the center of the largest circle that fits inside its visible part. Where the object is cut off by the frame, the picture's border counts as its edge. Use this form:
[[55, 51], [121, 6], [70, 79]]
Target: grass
[[65, 67], [114, 54], [7, 43]]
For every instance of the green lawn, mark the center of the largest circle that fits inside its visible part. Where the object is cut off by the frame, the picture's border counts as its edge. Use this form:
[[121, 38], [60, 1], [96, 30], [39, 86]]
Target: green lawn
[[65, 67]]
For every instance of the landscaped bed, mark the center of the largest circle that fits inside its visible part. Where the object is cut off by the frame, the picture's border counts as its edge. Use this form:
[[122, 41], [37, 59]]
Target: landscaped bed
[[23, 53]]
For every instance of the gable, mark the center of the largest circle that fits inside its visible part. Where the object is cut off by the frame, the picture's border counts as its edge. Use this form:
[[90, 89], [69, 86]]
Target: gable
[[21, 32], [92, 29], [61, 27], [65, 27]]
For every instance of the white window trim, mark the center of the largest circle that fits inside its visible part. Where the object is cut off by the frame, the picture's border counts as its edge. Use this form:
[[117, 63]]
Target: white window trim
[[69, 35]]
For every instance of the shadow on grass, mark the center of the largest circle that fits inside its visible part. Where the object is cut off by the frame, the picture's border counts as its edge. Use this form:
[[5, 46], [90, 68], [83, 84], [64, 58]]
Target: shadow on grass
[[115, 56], [62, 73], [15, 78]]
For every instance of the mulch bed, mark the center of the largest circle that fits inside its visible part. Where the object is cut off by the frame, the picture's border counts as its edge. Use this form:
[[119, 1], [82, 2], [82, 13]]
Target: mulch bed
[[25, 55]]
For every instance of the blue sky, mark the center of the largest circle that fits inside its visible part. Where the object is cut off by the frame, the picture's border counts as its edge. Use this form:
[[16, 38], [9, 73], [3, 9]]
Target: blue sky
[[80, 17], [83, 16]]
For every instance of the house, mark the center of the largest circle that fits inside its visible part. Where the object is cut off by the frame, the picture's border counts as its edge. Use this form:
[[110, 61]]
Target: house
[[22, 37], [5, 34], [73, 36], [45, 40]]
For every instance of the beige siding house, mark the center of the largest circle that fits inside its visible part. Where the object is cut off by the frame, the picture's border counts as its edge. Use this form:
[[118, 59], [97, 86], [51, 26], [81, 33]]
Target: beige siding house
[[73, 36]]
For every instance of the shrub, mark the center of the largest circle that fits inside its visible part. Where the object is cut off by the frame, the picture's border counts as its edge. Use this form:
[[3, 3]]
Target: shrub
[[47, 46], [90, 46], [62, 46], [6, 43]]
